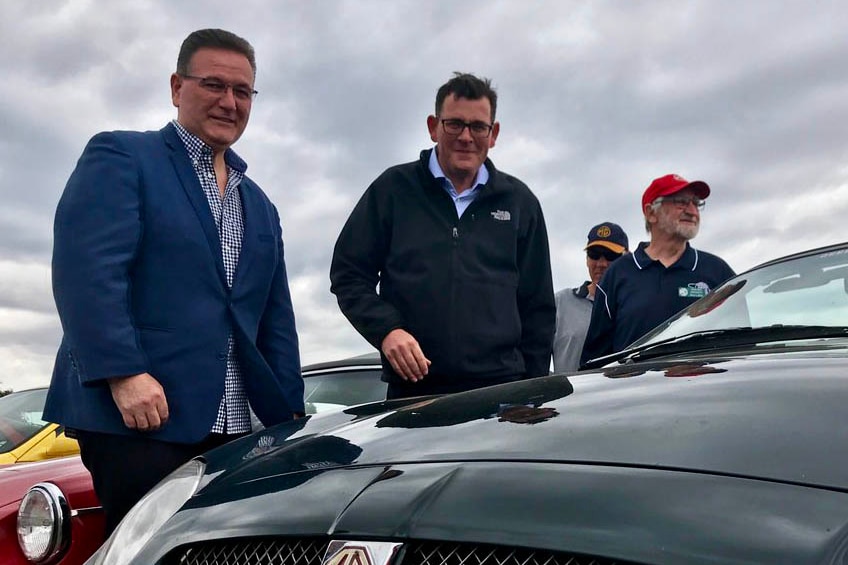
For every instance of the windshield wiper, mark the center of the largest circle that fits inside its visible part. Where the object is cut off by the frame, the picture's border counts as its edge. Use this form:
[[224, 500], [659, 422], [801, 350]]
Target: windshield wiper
[[714, 339], [734, 336]]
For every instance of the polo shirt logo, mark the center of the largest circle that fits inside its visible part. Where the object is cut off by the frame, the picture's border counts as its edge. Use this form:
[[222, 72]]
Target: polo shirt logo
[[501, 215], [694, 290]]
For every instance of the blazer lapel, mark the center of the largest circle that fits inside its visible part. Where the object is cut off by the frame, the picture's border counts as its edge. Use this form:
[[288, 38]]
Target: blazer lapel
[[188, 179], [255, 223]]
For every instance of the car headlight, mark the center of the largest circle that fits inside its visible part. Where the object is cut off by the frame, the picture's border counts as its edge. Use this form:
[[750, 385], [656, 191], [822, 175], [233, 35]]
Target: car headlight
[[44, 522], [148, 515]]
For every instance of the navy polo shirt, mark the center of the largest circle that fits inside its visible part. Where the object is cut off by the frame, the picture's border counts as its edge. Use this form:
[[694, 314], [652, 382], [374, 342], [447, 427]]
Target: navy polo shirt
[[637, 293]]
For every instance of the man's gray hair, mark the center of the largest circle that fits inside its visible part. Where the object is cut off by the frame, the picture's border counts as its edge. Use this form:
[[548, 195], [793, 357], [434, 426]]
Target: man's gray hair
[[655, 205]]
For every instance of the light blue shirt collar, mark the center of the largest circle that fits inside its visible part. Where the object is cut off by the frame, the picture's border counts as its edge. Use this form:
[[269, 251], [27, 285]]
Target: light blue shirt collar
[[461, 201]]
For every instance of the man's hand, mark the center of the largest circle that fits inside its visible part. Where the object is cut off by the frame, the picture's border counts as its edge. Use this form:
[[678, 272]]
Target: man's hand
[[405, 355], [141, 400]]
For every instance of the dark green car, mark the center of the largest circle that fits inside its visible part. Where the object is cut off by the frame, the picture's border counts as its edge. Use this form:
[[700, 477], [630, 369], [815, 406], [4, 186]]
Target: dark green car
[[719, 438]]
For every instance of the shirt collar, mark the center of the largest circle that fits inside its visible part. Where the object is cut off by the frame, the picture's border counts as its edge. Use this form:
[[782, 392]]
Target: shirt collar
[[198, 149], [583, 290], [436, 170], [689, 259]]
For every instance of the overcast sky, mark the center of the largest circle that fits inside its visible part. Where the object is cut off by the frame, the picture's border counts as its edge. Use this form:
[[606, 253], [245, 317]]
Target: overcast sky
[[595, 100]]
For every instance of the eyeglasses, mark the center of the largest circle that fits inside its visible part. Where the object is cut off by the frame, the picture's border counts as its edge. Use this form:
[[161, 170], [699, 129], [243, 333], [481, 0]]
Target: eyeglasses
[[595, 254], [683, 201], [477, 129], [219, 87]]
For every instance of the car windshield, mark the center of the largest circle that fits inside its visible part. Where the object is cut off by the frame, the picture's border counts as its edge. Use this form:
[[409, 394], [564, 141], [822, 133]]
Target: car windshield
[[804, 297], [339, 389], [20, 417]]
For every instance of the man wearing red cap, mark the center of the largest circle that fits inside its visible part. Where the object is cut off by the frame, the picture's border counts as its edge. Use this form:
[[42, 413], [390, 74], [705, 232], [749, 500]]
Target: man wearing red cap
[[660, 277], [606, 243]]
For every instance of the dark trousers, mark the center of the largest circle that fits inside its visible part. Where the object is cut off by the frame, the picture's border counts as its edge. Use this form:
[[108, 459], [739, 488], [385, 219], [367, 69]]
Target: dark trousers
[[124, 468]]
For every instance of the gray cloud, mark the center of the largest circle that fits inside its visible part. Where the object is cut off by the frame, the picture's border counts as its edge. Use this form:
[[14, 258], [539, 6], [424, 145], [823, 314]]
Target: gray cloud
[[596, 99]]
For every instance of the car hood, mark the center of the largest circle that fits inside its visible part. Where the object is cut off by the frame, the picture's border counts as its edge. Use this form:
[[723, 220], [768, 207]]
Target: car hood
[[16, 479], [654, 463], [769, 417]]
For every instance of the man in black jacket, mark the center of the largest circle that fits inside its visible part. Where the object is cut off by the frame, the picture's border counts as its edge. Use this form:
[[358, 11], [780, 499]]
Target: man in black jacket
[[460, 253]]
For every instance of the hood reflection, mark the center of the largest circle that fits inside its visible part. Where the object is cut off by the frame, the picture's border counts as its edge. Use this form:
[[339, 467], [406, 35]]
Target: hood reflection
[[518, 403]]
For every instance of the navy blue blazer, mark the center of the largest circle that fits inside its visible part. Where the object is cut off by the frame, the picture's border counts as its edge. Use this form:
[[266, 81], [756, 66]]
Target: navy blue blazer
[[140, 286]]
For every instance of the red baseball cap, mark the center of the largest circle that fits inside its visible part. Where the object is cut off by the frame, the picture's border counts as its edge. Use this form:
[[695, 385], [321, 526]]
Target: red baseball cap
[[669, 184]]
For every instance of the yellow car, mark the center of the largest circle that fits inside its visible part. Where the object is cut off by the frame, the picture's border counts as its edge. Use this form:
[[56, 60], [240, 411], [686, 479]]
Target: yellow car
[[24, 436]]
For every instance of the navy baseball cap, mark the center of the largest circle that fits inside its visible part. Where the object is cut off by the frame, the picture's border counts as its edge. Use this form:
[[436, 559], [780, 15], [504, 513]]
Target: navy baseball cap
[[608, 235]]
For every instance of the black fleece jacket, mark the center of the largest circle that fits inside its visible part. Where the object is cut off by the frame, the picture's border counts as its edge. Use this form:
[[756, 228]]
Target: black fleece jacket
[[476, 292]]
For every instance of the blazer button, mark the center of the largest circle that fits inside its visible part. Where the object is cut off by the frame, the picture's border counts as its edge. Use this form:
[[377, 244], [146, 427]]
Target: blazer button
[[222, 355]]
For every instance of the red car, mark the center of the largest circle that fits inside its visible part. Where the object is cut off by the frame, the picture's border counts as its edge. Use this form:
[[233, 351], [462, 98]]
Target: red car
[[67, 525]]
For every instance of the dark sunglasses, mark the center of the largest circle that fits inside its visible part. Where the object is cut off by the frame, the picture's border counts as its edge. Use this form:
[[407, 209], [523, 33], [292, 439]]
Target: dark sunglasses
[[595, 254]]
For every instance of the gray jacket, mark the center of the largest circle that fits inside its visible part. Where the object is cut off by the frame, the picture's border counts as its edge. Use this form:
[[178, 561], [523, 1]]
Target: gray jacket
[[573, 313]]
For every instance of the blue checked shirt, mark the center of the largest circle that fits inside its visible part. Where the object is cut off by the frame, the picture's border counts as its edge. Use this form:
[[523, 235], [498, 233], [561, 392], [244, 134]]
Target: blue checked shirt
[[233, 412]]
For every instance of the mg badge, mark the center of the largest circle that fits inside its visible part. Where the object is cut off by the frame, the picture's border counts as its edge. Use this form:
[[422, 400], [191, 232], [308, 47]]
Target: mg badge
[[342, 552]]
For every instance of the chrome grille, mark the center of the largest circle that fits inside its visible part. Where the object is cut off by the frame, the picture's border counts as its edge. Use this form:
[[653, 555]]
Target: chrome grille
[[310, 551], [444, 553], [252, 551]]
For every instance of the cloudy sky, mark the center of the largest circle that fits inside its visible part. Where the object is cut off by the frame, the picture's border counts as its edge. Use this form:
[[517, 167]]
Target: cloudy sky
[[596, 99]]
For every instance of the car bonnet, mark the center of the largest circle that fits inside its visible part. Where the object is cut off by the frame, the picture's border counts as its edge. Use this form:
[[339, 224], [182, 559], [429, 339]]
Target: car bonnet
[[768, 418]]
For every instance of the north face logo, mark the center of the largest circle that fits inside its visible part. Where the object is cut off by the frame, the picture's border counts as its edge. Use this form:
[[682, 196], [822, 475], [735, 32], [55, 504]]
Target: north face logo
[[501, 215]]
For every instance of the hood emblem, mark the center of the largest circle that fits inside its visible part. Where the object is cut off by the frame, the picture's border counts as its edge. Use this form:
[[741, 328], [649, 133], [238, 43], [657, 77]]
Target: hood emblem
[[341, 552], [263, 445]]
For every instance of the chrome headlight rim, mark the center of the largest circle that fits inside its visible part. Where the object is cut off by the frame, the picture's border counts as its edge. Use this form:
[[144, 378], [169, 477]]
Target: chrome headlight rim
[[125, 542], [60, 510]]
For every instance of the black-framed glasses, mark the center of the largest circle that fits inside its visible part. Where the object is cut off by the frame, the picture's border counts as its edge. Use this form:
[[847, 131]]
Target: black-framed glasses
[[683, 201], [218, 87], [595, 254], [477, 129]]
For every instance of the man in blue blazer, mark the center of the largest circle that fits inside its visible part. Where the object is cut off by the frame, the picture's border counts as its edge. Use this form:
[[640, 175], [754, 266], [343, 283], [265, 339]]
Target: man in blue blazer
[[169, 278]]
